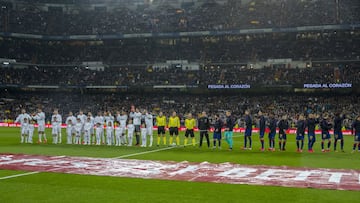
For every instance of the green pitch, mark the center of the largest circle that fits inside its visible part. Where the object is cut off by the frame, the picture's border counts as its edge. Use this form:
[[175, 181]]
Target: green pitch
[[53, 187]]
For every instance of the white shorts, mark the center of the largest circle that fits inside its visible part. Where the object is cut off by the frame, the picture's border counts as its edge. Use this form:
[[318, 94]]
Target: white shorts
[[24, 131], [149, 131], [41, 127], [55, 131]]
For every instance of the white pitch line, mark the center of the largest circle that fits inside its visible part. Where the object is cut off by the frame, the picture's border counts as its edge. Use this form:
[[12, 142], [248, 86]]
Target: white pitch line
[[18, 175]]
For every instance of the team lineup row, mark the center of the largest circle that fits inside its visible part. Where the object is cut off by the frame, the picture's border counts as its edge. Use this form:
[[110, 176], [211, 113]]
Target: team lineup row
[[120, 130]]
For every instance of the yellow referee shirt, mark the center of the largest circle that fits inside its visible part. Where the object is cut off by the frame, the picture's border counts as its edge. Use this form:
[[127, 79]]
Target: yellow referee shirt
[[190, 123], [161, 121], [174, 122]]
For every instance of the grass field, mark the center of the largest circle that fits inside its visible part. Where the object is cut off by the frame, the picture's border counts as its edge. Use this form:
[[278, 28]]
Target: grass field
[[55, 187]]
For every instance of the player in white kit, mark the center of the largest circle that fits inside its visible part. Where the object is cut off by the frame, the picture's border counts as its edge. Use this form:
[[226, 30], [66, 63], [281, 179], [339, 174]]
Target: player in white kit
[[149, 122], [70, 124], [109, 133], [122, 119], [31, 129], [98, 132], [24, 130], [92, 131], [40, 119], [143, 132], [56, 121], [136, 116], [130, 132], [118, 133], [78, 131], [88, 128], [23, 126], [99, 119]]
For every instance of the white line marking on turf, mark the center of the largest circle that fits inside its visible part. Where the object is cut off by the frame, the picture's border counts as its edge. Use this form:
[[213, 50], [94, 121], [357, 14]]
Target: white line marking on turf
[[18, 175], [156, 150], [146, 152]]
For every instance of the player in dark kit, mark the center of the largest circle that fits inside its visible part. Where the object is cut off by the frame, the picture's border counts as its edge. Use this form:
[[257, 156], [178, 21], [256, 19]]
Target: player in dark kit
[[204, 126], [229, 126], [272, 133], [325, 135], [356, 126], [262, 126], [283, 126], [310, 124], [248, 130], [300, 133], [217, 131], [338, 120]]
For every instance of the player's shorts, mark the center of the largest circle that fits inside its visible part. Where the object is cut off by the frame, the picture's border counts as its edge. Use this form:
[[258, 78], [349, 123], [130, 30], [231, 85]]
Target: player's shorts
[[299, 136], [189, 132], [173, 131], [41, 127], [313, 135], [282, 136], [248, 131], [325, 135], [338, 135], [137, 128], [161, 130], [149, 131], [217, 136], [55, 130], [272, 135], [261, 134], [24, 131], [357, 137]]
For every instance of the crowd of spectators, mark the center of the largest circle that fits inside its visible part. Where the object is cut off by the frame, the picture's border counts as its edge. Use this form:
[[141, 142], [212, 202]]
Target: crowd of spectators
[[148, 76], [305, 46], [279, 105], [30, 18]]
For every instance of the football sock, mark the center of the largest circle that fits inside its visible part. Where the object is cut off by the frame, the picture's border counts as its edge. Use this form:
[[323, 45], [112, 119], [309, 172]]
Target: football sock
[[298, 144], [158, 140], [164, 140], [171, 140], [302, 144], [219, 143], [250, 141], [151, 140], [342, 144], [354, 147], [262, 144], [283, 145], [329, 144], [214, 143], [322, 145], [193, 141], [245, 141], [335, 144], [185, 141], [177, 140], [280, 145]]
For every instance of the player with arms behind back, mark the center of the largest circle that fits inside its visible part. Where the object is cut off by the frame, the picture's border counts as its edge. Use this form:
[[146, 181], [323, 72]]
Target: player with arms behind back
[[283, 126]]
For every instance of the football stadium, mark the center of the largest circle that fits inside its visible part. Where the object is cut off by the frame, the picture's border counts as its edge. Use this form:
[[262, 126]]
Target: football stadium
[[179, 101]]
